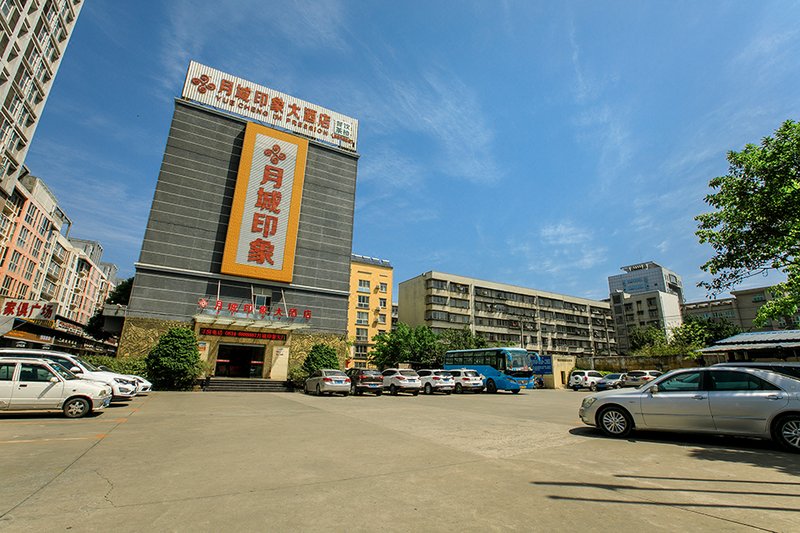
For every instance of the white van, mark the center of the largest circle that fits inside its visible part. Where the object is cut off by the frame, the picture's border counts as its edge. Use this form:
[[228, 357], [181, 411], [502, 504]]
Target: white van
[[122, 387], [28, 383]]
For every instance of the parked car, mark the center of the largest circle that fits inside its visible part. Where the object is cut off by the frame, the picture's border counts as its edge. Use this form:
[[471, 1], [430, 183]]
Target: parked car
[[635, 378], [611, 381], [717, 400], [27, 383], [363, 380], [584, 379], [401, 380], [466, 380], [142, 385], [436, 381], [327, 381], [789, 369], [122, 387]]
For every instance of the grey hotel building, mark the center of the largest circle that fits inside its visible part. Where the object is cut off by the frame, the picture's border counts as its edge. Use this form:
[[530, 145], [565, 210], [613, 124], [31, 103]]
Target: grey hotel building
[[249, 236], [549, 323]]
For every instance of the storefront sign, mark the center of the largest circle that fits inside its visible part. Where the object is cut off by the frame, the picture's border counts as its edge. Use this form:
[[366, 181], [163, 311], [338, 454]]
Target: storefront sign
[[542, 364], [220, 90], [248, 310], [262, 231], [28, 309], [259, 335]]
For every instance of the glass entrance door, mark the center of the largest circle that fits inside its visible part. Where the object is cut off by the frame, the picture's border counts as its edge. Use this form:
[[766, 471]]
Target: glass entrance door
[[239, 361]]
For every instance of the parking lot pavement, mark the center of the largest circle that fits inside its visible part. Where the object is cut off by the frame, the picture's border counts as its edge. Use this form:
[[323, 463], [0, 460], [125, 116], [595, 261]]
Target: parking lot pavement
[[230, 461]]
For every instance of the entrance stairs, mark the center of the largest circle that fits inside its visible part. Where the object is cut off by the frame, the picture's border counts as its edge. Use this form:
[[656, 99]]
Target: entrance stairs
[[217, 384]]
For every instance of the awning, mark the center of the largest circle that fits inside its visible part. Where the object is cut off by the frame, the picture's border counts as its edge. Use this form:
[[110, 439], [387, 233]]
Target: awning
[[720, 348], [219, 321]]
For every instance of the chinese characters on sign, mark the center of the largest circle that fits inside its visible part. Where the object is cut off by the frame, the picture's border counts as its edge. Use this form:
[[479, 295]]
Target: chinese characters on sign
[[261, 312], [243, 334], [229, 93], [262, 231], [28, 309]]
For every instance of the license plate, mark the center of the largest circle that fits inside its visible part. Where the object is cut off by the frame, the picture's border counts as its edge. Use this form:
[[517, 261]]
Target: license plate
[[372, 384], [338, 382]]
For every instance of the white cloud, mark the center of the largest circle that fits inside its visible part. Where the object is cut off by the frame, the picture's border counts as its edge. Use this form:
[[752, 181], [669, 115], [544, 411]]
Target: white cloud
[[563, 234]]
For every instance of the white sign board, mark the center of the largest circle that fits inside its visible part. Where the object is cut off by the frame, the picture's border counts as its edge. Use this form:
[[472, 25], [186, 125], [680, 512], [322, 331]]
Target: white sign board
[[230, 93]]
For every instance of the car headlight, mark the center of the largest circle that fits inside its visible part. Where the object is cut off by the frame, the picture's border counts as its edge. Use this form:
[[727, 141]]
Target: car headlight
[[123, 381], [588, 401]]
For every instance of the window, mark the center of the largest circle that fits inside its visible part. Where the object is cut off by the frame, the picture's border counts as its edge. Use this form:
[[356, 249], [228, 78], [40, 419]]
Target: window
[[381, 319], [729, 380], [5, 8], [361, 351], [14, 264], [382, 303], [36, 247], [362, 334], [362, 318], [7, 371], [437, 300], [22, 238], [5, 290], [382, 287], [37, 373], [363, 285], [363, 302], [30, 214], [688, 381], [29, 269]]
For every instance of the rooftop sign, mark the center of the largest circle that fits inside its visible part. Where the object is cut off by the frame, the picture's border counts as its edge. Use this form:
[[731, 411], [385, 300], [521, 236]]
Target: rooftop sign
[[220, 90]]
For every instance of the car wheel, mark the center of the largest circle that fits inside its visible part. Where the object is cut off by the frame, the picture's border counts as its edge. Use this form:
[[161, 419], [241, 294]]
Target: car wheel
[[576, 389], [593, 387], [428, 388], [459, 388], [515, 391], [414, 393], [345, 394], [614, 421], [491, 388], [77, 407], [786, 432], [378, 392], [447, 392], [318, 392], [393, 389]]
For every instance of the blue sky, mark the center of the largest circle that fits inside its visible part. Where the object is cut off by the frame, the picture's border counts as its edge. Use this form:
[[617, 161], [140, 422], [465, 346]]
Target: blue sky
[[543, 144]]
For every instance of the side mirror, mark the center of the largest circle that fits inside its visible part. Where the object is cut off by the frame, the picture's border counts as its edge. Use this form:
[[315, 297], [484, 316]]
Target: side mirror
[[54, 380], [653, 389], [75, 370]]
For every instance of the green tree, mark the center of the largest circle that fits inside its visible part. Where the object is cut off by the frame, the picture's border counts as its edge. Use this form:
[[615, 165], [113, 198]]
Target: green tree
[[94, 327], [174, 362], [121, 293], [756, 223], [461, 339], [426, 348], [650, 336], [320, 356], [393, 347]]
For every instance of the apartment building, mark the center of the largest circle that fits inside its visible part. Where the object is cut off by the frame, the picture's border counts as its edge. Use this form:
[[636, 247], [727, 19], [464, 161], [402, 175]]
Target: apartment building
[[550, 323], [654, 308], [33, 38], [370, 309], [741, 309], [646, 277]]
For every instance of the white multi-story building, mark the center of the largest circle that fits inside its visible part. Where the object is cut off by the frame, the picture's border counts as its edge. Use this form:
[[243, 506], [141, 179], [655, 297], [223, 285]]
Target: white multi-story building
[[643, 310], [550, 323], [646, 277], [33, 38]]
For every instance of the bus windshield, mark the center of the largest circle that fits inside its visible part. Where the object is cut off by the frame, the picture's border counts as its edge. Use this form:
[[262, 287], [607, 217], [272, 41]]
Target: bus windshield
[[518, 359]]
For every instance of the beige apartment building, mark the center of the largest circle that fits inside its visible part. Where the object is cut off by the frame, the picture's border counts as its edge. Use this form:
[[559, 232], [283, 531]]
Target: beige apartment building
[[643, 310], [741, 310], [370, 307], [549, 323], [33, 38]]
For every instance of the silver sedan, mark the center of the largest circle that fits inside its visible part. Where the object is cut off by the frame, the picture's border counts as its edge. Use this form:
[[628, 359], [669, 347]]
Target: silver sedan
[[328, 380], [719, 400]]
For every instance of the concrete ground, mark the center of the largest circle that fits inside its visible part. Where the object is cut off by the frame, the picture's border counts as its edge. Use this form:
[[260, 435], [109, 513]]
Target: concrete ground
[[278, 462]]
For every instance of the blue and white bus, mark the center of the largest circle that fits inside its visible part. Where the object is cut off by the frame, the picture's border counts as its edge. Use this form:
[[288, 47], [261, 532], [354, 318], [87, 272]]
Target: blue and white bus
[[503, 368]]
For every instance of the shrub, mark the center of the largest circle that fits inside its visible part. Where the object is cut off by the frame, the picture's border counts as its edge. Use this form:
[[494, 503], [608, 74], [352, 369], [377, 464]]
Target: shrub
[[320, 356], [124, 365], [174, 363]]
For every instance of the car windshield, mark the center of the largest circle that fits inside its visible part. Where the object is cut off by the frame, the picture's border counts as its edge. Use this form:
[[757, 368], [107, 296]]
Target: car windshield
[[89, 366], [444, 373], [471, 373], [635, 374], [411, 373], [612, 376], [62, 371], [334, 373]]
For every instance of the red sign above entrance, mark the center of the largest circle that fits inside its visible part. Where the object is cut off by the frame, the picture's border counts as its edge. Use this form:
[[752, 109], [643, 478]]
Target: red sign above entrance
[[259, 335]]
